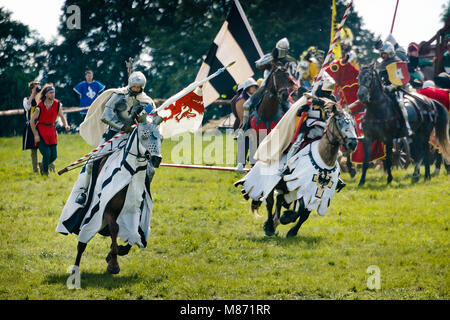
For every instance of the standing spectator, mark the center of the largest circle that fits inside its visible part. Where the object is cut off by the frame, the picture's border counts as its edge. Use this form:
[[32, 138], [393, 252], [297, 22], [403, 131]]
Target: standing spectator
[[29, 104], [43, 125], [414, 64], [446, 60], [88, 91]]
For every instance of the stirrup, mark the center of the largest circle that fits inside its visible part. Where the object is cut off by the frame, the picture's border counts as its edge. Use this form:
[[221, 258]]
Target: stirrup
[[82, 197]]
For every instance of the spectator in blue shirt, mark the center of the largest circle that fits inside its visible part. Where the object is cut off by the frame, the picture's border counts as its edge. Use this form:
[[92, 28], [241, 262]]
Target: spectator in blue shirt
[[88, 91]]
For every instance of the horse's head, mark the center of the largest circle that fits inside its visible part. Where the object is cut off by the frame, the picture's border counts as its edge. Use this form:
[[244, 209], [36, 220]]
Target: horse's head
[[150, 139], [342, 128], [367, 80], [281, 83]]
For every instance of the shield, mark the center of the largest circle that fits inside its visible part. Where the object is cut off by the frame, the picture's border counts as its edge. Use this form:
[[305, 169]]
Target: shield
[[398, 73]]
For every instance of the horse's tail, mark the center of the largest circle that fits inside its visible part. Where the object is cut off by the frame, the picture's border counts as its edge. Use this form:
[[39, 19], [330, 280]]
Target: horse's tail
[[442, 130]]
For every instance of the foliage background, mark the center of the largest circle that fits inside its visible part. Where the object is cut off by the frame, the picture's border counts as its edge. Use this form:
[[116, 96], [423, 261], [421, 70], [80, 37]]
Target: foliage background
[[167, 39]]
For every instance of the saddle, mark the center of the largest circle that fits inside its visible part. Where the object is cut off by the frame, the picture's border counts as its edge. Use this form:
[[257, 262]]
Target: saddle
[[422, 105]]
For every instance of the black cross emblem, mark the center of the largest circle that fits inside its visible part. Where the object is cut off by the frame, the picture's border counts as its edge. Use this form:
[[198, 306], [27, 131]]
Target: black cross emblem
[[323, 181]]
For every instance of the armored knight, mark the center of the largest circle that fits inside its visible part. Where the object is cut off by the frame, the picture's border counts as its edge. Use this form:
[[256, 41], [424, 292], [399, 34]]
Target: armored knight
[[392, 59], [314, 125], [121, 109], [279, 55]]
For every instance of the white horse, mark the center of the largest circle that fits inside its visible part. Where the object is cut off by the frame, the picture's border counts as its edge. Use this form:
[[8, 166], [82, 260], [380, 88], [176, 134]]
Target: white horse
[[119, 202]]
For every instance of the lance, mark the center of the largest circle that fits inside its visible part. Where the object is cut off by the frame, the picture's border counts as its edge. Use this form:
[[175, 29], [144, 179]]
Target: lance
[[168, 102], [90, 154], [330, 51], [393, 19], [193, 166]]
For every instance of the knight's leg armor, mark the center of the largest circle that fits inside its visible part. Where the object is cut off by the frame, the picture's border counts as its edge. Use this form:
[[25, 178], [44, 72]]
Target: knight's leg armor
[[293, 150], [401, 103]]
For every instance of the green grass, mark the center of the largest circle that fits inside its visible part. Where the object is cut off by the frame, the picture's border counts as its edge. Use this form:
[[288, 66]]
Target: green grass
[[205, 244]]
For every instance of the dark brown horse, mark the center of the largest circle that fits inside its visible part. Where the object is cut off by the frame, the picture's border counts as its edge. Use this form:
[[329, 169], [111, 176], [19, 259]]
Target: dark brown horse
[[274, 102], [144, 148]]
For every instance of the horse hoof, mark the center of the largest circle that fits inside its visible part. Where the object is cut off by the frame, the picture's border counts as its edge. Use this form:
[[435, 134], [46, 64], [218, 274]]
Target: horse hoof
[[389, 180], [361, 184], [269, 230], [113, 269], [291, 234], [288, 216], [352, 173], [415, 179]]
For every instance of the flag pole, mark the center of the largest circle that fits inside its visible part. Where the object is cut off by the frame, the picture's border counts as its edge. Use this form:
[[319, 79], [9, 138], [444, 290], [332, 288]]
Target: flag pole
[[395, 14], [330, 51]]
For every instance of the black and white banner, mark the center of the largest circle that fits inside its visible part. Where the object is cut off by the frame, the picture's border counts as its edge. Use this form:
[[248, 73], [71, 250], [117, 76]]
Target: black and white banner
[[234, 42]]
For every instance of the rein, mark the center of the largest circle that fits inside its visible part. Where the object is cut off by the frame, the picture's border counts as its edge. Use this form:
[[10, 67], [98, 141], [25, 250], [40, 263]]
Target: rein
[[334, 142], [146, 156], [370, 88], [274, 80]]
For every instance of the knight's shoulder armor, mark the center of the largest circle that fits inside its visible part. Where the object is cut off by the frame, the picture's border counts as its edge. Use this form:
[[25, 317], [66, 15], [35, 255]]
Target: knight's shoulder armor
[[264, 61]]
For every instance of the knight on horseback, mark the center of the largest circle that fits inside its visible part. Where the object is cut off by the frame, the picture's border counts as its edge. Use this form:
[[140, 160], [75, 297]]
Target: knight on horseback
[[121, 109], [394, 77], [279, 55], [312, 127]]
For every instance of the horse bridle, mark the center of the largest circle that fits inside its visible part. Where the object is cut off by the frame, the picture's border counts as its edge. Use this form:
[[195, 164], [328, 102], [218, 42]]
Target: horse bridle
[[370, 88], [278, 92], [335, 142]]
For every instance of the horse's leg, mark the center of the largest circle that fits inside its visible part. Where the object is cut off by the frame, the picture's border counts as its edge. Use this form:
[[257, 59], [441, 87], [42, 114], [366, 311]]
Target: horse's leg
[[418, 146], [113, 264], [80, 249], [269, 228], [367, 146], [289, 216], [278, 206], [438, 163], [388, 162], [351, 170], [426, 149], [304, 215], [123, 251]]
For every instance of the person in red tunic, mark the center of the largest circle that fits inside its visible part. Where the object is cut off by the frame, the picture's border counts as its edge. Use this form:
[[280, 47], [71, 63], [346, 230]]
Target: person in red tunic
[[441, 95], [43, 125]]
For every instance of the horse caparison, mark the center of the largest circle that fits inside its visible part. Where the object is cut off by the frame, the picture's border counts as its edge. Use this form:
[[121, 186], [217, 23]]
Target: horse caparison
[[338, 132]]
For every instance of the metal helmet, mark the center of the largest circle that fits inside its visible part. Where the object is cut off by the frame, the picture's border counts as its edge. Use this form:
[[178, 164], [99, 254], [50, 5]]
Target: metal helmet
[[138, 79], [282, 47], [244, 85], [388, 48]]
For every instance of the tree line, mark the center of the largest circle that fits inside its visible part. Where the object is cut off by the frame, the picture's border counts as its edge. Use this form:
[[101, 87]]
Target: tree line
[[168, 40]]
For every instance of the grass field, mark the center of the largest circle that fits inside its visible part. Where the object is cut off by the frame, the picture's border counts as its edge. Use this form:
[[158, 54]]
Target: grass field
[[205, 244]]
